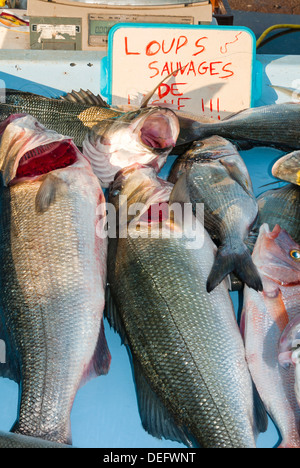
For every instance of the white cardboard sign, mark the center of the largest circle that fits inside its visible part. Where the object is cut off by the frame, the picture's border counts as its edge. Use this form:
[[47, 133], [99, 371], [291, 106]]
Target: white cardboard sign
[[216, 67]]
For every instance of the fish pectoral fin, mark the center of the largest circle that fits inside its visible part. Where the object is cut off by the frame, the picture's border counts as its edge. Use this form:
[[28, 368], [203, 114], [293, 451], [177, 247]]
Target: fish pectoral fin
[[260, 414], [50, 190], [100, 363], [236, 175], [155, 418], [113, 316], [180, 192]]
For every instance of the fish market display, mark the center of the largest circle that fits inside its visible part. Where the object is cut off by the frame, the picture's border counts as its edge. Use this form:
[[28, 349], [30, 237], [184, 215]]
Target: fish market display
[[53, 273], [111, 139], [289, 348], [275, 125], [192, 381], [264, 318], [288, 168], [213, 173], [12, 441], [145, 136], [278, 206]]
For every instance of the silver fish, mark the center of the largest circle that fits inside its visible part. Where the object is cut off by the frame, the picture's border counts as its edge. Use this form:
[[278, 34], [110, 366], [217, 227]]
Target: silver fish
[[265, 316], [213, 173], [192, 381], [52, 276]]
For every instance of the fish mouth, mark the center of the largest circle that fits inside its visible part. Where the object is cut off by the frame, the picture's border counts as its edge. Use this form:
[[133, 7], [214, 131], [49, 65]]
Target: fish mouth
[[29, 150], [159, 130], [46, 158]]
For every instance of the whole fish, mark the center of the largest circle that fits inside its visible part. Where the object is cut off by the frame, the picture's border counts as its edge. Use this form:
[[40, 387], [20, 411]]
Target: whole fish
[[289, 348], [288, 168], [213, 173], [275, 125], [12, 441], [111, 139], [53, 273], [278, 206], [265, 316], [192, 380]]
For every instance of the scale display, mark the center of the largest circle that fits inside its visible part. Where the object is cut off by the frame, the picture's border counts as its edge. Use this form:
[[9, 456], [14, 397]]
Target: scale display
[[100, 25]]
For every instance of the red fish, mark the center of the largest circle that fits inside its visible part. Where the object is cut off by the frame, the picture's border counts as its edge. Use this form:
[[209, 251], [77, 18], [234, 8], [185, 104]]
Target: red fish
[[265, 316]]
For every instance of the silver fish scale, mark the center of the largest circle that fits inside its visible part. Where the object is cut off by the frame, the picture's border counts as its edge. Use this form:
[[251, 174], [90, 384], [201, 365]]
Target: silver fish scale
[[52, 299], [186, 341]]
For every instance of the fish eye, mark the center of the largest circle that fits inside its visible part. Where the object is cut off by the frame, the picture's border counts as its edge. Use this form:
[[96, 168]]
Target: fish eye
[[295, 254], [198, 144]]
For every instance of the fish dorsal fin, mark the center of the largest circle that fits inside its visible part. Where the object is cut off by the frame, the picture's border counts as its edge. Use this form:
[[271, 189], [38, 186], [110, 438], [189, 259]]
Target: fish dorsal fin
[[291, 92], [85, 97], [149, 96], [155, 418]]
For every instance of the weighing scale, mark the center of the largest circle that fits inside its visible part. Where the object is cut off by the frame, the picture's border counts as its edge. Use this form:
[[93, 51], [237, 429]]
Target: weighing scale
[[84, 25]]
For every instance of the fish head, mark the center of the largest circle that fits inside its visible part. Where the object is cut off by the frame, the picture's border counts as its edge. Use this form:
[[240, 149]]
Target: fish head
[[136, 189], [203, 151], [289, 343], [211, 148], [29, 150], [277, 256], [287, 168], [140, 136]]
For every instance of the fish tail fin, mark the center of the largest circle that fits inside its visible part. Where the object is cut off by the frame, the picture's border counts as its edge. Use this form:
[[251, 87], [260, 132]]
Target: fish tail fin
[[238, 261]]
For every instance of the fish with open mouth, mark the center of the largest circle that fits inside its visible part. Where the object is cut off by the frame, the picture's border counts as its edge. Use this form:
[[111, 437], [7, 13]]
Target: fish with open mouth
[[110, 138], [264, 318], [145, 136], [287, 168], [192, 381], [213, 173], [53, 275]]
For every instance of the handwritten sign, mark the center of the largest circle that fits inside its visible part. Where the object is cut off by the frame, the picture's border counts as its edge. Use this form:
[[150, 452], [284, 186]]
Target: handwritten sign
[[216, 67]]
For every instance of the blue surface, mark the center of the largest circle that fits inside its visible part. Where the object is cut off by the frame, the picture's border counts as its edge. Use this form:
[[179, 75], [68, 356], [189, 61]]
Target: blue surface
[[105, 412]]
